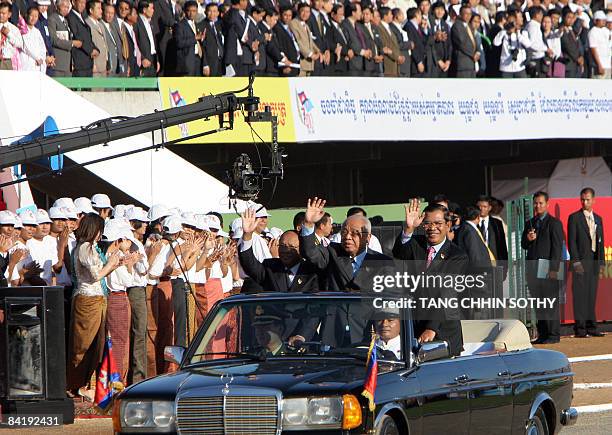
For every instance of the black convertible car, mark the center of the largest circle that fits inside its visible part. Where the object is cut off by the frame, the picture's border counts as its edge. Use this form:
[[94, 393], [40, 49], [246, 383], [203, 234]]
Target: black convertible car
[[279, 363]]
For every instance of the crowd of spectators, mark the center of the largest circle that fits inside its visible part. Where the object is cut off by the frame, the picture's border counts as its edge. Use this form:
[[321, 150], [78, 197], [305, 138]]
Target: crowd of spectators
[[391, 38], [148, 278]]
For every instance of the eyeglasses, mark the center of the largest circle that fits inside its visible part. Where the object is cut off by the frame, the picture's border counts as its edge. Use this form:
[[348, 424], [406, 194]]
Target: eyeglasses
[[437, 224], [353, 234], [282, 245]]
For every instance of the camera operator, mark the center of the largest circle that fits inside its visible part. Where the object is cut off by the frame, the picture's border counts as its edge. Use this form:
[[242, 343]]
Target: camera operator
[[540, 55], [514, 42]]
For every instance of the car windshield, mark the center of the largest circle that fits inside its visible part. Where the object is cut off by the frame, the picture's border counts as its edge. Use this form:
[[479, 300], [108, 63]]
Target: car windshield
[[313, 327]]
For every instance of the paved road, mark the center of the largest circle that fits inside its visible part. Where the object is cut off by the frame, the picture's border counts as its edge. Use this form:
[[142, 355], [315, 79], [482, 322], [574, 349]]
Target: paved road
[[591, 424]]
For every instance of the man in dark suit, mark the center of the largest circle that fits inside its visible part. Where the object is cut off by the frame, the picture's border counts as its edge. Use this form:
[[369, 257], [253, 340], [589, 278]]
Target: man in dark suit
[[163, 21], [403, 41], [212, 44], [82, 57], [543, 240], [61, 39], [187, 40], [272, 48], [287, 43], [418, 63], [492, 230], [353, 31], [434, 255], [235, 22], [570, 46], [465, 55], [43, 26], [288, 272], [342, 53], [585, 241], [129, 15], [349, 265], [493, 54], [319, 29], [114, 41], [145, 35]]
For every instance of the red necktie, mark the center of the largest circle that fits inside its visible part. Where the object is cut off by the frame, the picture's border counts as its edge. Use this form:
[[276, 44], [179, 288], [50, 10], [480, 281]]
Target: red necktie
[[431, 253]]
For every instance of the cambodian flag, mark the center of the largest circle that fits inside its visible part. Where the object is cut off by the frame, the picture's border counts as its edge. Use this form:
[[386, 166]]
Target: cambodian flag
[[369, 385], [109, 381]]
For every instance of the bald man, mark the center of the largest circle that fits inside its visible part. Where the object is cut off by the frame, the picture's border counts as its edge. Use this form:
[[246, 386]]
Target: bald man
[[287, 273]]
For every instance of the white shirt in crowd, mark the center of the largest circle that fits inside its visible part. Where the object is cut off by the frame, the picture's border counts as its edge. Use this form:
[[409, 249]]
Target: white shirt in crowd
[[119, 279], [13, 41], [147, 26], [27, 259], [141, 268], [509, 43], [538, 47], [44, 252], [553, 41], [33, 49], [599, 38]]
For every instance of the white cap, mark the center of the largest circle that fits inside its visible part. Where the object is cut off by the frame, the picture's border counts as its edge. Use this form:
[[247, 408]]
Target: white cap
[[70, 212], [136, 214], [222, 233], [57, 213], [101, 200], [609, 18], [202, 222], [7, 218], [157, 212], [28, 217], [276, 232], [116, 229], [64, 202], [574, 7], [120, 210], [83, 205], [42, 217], [262, 212], [213, 222], [173, 224], [174, 211], [236, 227], [43, 2], [188, 218], [18, 223], [599, 15]]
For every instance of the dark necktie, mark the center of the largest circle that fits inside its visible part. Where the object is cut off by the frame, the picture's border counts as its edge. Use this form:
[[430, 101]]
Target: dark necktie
[[483, 230], [361, 36]]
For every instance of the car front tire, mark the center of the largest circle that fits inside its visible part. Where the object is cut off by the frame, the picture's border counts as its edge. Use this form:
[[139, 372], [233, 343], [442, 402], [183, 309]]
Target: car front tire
[[538, 424], [387, 426]]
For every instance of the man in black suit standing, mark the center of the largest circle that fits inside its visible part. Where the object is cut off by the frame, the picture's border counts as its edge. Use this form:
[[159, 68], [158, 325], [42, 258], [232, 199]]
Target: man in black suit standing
[[145, 35], [319, 29], [213, 47], [288, 272], [405, 45], [353, 31], [492, 231], [433, 254], [465, 55], [163, 21], [441, 42], [272, 48], [481, 260], [342, 53], [239, 62], [287, 43], [543, 240], [187, 40], [570, 46], [419, 39], [83, 56], [585, 241]]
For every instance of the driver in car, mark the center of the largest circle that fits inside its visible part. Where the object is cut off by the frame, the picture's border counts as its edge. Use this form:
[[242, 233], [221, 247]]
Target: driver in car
[[269, 330], [388, 343]]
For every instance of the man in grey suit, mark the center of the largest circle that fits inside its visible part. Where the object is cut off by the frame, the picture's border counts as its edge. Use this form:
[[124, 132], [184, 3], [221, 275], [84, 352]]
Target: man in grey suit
[[114, 42], [465, 55], [61, 39]]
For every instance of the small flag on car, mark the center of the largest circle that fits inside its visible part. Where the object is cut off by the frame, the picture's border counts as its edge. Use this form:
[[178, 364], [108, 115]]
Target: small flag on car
[[108, 382], [369, 385]]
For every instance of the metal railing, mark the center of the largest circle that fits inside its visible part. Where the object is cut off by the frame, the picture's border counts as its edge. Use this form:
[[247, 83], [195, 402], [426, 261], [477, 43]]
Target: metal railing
[[109, 83]]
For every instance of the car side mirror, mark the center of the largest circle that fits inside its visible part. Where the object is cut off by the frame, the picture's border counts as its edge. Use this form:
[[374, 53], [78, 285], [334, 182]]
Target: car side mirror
[[432, 351], [174, 354]]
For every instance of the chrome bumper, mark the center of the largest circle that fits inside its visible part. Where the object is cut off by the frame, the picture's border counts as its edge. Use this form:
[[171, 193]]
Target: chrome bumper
[[569, 416]]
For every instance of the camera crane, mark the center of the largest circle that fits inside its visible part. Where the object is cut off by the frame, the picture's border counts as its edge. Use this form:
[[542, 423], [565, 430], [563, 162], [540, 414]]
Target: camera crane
[[244, 181]]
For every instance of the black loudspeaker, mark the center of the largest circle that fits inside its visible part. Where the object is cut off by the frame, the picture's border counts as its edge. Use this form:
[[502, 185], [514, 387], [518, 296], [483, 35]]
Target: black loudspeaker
[[33, 352]]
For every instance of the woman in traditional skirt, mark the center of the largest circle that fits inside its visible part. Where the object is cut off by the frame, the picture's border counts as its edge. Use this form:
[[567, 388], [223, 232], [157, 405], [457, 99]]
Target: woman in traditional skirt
[[117, 238], [89, 300]]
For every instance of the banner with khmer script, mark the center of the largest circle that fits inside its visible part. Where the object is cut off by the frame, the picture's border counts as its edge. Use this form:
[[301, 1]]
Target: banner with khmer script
[[388, 109]]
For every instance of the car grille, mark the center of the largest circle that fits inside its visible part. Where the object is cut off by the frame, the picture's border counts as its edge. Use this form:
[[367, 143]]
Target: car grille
[[241, 415]]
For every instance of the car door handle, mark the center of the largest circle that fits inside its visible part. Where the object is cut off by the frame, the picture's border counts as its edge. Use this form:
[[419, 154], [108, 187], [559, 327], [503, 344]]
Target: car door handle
[[462, 379], [503, 374]]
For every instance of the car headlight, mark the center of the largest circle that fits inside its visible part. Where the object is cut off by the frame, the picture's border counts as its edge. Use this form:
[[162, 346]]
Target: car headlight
[[312, 413], [147, 416]]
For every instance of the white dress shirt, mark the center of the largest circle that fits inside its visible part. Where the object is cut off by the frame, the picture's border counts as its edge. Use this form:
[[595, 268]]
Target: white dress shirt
[[13, 41], [394, 345], [538, 47], [33, 49]]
